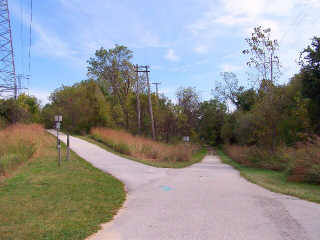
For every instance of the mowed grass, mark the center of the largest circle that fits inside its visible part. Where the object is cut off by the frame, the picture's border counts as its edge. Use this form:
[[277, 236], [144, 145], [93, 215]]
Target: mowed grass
[[39, 200], [275, 181], [195, 156]]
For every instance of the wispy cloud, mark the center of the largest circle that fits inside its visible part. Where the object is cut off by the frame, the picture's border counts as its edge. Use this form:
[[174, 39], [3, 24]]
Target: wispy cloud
[[293, 23], [42, 95], [201, 49], [171, 55], [46, 42], [230, 68]]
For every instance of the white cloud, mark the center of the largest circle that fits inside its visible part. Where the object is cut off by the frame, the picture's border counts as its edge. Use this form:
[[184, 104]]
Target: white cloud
[[229, 68], [201, 49], [171, 55], [292, 23], [42, 95]]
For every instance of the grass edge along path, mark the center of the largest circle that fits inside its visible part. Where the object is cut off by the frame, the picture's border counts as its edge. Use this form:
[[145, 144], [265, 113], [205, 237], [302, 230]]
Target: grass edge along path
[[42, 201], [274, 181], [197, 157]]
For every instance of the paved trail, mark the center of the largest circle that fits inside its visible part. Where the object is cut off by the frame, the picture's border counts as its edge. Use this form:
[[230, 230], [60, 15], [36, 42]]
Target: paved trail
[[208, 200]]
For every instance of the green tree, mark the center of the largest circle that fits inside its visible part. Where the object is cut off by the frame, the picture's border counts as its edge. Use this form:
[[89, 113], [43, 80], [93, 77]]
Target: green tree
[[310, 79], [189, 103], [246, 99], [212, 117], [114, 73], [23, 109], [82, 106]]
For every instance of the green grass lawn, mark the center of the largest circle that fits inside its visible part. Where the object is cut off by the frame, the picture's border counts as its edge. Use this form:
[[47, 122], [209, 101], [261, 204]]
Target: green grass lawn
[[275, 181], [43, 201], [197, 157]]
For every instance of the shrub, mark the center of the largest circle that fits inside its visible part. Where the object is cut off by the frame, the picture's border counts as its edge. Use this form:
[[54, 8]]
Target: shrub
[[122, 148], [304, 163], [301, 163], [264, 158], [254, 156], [3, 123]]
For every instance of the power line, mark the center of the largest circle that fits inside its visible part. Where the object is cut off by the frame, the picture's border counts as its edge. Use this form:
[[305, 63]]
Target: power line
[[30, 42]]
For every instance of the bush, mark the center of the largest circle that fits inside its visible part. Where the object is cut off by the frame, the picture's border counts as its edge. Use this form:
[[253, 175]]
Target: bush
[[304, 163], [301, 163], [254, 156], [263, 158], [122, 148], [3, 123]]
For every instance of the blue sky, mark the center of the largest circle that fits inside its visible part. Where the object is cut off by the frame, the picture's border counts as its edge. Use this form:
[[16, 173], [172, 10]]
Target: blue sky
[[186, 43]]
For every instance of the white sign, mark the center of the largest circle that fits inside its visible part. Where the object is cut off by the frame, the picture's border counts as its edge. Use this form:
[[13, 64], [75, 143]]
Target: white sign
[[186, 139], [58, 125], [58, 118]]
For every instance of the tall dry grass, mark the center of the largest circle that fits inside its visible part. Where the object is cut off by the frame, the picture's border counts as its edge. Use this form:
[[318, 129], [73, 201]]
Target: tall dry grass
[[18, 143], [143, 148]]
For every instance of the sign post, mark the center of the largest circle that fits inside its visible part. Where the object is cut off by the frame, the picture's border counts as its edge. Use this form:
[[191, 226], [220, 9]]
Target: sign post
[[68, 146], [58, 120], [186, 139]]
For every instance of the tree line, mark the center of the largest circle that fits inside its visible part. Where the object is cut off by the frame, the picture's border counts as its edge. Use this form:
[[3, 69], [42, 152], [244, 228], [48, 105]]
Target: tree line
[[262, 113]]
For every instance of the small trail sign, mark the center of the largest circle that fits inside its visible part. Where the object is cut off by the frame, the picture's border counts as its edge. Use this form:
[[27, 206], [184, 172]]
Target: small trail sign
[[58, 118]]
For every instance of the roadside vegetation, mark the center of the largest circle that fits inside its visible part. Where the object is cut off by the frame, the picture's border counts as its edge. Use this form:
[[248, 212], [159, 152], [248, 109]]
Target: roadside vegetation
[[39, 200], [146, 150], [276, 127], [273, 180], [18, 144], [273, 126]]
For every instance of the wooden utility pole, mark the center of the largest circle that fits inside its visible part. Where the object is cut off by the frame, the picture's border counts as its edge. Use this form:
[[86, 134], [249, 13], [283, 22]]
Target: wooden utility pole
[[138, 98], [146, 71], [150, 105], [157, 83]]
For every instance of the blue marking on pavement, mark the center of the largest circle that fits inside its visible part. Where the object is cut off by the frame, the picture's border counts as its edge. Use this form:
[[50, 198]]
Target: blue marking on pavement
[[166, 188]]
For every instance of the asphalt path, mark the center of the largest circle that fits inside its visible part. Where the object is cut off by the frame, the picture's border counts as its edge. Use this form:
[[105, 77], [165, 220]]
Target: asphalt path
[[208, 200]]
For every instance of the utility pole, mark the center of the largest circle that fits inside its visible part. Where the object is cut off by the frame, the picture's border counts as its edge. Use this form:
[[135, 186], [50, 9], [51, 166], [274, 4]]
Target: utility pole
[[138, 98], [157, 83], [150, 105], [146, 71]]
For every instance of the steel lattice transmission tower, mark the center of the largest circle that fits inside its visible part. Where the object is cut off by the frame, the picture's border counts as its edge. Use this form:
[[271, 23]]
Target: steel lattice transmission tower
[[8, 81]]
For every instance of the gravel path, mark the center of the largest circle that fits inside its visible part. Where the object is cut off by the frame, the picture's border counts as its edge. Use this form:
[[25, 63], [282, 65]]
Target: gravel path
[[208, 200]]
